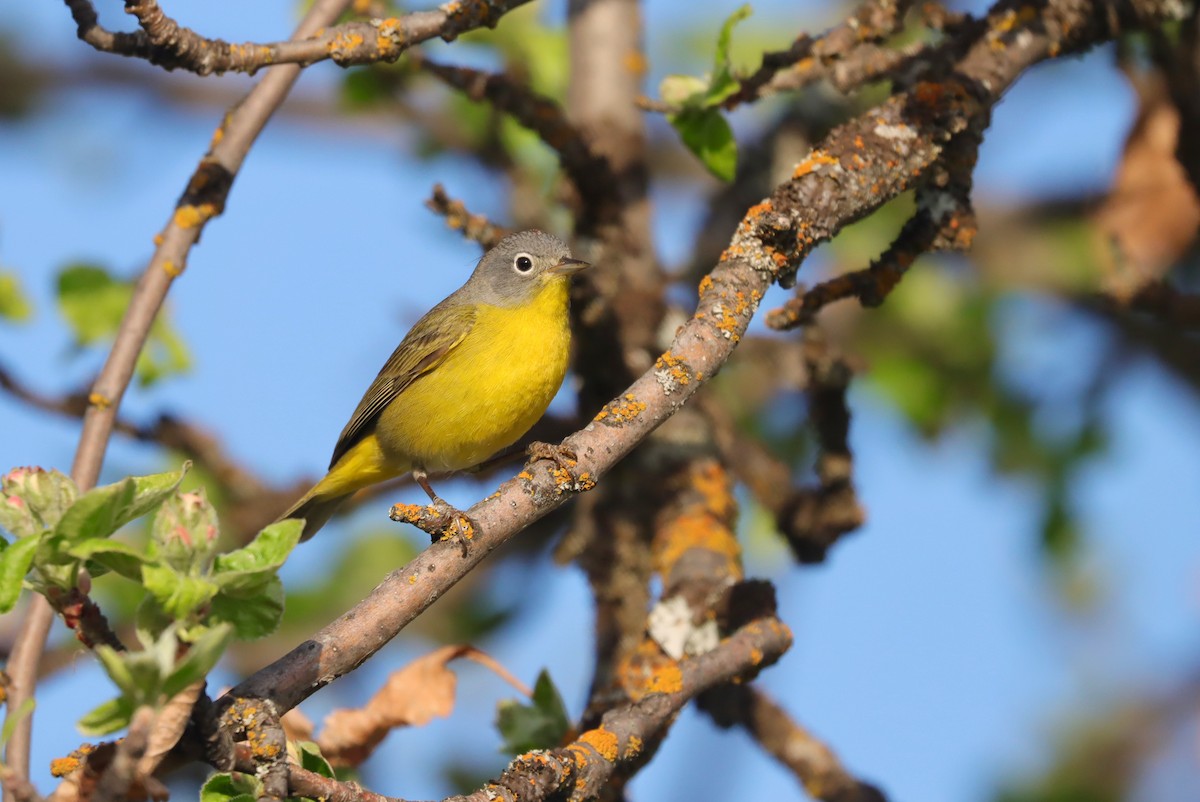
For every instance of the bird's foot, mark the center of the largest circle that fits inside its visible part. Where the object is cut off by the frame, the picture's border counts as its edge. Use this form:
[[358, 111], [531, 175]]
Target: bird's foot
[[566, 466], [439, 520]]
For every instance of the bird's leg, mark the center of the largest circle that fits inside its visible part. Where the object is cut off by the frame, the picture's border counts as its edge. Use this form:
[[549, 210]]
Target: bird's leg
[[439, 520], [566, 462]]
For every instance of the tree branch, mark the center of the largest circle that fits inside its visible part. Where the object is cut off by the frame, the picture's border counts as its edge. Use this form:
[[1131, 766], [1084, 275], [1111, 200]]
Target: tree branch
[[165, 43], [474, 227], [814, 764], [594, 757], [894, 142]]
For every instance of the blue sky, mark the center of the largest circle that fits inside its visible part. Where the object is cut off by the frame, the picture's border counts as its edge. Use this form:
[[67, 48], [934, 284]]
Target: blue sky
[[933, 651]]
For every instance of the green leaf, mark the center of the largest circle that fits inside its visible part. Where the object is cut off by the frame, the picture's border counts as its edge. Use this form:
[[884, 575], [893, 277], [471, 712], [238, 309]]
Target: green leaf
[[235, 787], [94, 302], [708, 135], [104, 510], [724, 83], [14, 304], [199, 660], [15, 717], [107, 718], [111, 555], [14, 565], [178, 595], [119, 667], [245, 569], [150, 621], [312, 760], [253, 616], [33, 500], [543, 724]]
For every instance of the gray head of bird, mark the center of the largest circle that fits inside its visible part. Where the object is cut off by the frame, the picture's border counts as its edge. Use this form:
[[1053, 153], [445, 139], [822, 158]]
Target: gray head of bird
[[521, 266]]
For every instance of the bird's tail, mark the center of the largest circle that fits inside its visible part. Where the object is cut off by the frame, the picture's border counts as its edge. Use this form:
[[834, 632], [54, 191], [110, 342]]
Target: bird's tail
[[315, 509], [361, 466]]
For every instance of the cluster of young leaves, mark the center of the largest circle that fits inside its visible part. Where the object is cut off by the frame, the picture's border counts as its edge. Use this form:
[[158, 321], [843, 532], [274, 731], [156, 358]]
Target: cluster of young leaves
[[93, 301], [696, 106], [194, 601]]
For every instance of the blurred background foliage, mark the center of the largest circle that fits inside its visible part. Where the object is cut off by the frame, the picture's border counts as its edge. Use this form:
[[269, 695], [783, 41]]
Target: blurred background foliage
[[948, 350]]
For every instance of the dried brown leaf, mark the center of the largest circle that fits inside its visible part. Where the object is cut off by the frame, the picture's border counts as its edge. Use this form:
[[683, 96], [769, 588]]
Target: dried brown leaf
[[168, 726], [413, 696], [1151, 215]]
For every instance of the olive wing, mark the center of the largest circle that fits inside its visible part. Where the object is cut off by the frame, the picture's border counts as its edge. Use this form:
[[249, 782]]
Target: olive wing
[[425, 347]]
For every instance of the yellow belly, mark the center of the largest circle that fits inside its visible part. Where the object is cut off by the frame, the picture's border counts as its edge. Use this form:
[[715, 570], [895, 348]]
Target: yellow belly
[[487, 393]]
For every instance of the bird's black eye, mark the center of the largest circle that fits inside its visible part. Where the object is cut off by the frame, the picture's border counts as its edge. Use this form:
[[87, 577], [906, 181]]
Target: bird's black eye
[[523, 263]]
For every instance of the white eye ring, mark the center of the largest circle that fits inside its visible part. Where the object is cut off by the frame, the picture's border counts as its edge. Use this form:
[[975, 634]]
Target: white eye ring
[[522, 263]]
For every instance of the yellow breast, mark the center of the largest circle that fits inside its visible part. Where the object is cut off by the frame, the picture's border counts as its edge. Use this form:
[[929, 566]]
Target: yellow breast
[[488, 392]]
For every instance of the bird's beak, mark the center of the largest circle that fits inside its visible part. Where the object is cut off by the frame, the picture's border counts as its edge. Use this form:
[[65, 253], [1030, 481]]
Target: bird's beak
[[569, 266]]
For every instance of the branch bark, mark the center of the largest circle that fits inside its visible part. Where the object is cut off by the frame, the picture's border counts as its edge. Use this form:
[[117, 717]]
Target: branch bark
[[166, 43]]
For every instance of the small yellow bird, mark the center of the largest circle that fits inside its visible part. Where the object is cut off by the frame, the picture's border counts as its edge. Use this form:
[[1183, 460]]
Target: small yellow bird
[[469, 379]]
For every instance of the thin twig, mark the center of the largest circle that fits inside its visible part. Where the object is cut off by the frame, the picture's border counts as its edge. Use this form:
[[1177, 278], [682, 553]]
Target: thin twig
[[852, 46], [814, 764], [166, 43], [474, 227], [591, 174]]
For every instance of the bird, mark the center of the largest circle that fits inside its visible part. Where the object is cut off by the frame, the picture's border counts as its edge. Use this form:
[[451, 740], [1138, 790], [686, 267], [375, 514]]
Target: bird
[[468, 380]]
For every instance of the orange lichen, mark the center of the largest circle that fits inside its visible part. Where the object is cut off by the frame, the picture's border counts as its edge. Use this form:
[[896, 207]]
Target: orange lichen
[[634, 62], [99, 401], [171, 269], [712, 485], [633, 747], [696, 529], [814, 162], [390, 39], [706, 284], [759, 209], [62, 766], [603, 741], [621, 410], [158, 240], [726, 323], [189, 216], [565, 480], [665, 678], [671, 372], [342, 46]]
